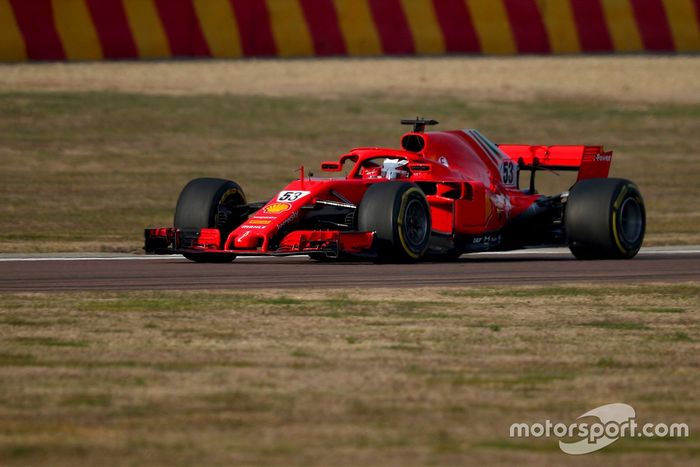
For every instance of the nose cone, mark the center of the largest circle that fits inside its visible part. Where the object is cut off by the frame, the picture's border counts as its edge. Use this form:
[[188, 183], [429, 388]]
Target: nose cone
[[247, 241]]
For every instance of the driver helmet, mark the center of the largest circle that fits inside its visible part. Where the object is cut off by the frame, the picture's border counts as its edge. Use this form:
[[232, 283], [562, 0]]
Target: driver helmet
[[395, 168]]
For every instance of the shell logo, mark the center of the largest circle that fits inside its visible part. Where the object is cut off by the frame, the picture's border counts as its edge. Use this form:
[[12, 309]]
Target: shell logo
[[276, 208]]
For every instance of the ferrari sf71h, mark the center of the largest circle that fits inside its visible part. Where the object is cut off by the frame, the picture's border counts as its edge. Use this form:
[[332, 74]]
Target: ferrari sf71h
[[444, 193]]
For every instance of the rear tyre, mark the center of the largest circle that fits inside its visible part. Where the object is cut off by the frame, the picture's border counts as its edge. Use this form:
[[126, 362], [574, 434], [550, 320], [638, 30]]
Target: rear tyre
[[399, 214], [211, 203], [605, 219]]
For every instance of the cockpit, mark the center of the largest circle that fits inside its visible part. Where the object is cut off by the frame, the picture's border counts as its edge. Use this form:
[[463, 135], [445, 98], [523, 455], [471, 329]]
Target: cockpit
[[384, 167], [376, 163]]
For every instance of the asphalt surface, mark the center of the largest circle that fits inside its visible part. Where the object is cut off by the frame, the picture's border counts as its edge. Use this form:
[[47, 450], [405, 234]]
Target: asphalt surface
[[51, 273]]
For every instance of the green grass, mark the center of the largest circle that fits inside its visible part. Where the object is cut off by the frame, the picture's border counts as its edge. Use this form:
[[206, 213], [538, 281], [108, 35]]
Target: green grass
[[512, 445], [16, 359], [585, 291], [681, 336], [617, 325], [609, 362], [50, 342], [88, 171], [87, 400], [658, 309]]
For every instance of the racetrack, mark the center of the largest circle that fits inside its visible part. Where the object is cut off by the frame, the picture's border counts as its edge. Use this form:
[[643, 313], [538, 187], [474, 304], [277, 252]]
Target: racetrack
[[27, 274]]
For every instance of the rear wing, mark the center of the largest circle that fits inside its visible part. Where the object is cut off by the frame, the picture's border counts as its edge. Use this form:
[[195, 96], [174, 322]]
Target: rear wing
[[589, 161]]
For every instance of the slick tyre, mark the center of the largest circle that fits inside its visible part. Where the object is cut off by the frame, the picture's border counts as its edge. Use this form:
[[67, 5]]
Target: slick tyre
[[399, 214], [605, 218], [211, 203]]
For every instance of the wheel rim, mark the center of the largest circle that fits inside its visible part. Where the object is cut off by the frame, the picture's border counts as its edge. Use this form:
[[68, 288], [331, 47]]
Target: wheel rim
[[631, 221], [230, 201], [415, 224]]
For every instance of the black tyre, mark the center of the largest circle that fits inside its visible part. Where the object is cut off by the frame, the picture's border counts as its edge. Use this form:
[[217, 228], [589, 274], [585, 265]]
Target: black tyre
[[399, 215], [210, 203], [605, 219]]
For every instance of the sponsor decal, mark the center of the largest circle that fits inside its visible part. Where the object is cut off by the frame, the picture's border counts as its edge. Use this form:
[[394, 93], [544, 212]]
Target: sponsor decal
[[259, 221], [276, 208], [602, 158], [263, 217], [487, 240], [291, 196], [252, 227], [501, 202], [443, 160], [292, 217]]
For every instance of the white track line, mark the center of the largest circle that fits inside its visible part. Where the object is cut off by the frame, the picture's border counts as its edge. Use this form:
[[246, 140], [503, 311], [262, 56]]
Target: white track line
[[692, 250], [110, 258], [86, 258], [563, 251]]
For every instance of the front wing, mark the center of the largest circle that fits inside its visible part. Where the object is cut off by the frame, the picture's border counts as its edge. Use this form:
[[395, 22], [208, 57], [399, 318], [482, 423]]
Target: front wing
[[332, 243]]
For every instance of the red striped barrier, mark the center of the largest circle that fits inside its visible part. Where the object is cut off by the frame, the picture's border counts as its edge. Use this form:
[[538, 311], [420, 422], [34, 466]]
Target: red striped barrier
[[117, 29]]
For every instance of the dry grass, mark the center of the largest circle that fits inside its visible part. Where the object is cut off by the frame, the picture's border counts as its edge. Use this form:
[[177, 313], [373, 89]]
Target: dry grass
[[640, 79], [311, 378]]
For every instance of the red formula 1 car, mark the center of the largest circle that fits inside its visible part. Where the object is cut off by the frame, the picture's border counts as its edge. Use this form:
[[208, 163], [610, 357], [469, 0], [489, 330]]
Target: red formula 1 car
[[442, 194]]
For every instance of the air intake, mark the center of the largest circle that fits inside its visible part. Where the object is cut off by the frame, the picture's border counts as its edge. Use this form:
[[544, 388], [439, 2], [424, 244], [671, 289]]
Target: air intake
[[413, 143]]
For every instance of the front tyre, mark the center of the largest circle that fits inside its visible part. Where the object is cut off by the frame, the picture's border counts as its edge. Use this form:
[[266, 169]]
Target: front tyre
[[605, 219], [399, 214], [211, 203]]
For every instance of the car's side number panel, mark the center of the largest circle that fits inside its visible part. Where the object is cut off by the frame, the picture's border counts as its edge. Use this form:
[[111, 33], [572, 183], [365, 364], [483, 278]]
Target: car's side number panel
[[291, 196], [509, 173]]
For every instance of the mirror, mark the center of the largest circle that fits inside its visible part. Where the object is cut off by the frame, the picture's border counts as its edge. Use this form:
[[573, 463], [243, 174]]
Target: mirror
[[331, 166]]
